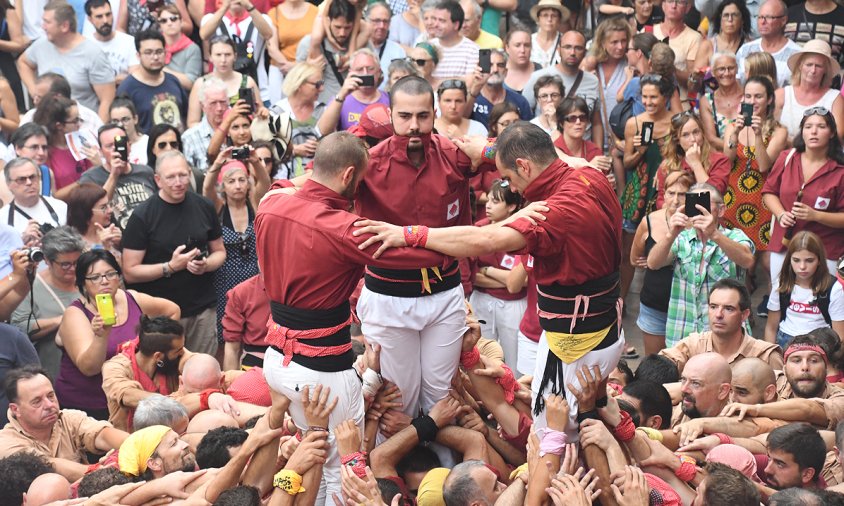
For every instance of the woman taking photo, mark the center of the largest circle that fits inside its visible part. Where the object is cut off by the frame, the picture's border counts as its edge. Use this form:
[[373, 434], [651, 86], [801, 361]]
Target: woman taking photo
[[222, 53], [89, 212], [53, 290], [803, 190], [721, 107], [501, 310], [60, 116], [656, 289], [87, 342], [642, 161], [301, 88], [689, 151], [235, 191], [752, 150], [812, 70], [807, 296], [730, 29]]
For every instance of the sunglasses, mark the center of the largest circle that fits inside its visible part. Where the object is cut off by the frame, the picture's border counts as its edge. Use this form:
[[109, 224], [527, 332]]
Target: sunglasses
[[168, 19], [165, 144], [819, 110], [575, 118], [419, 61], [452, 84]]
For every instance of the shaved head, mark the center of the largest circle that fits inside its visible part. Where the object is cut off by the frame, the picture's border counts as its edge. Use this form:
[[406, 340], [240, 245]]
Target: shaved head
[[705, 385], [201, 372], [754, 381], [48, 488]]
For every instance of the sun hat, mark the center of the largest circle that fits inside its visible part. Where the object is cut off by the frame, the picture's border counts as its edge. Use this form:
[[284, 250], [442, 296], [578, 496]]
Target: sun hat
[[820, 47], [557, 5]]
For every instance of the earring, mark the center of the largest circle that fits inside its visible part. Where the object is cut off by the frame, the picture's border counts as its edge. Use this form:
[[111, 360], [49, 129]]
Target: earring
[[160, 363]]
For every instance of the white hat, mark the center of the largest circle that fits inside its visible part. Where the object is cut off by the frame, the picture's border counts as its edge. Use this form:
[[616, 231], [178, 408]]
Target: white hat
[[820, 47], [557, 5]]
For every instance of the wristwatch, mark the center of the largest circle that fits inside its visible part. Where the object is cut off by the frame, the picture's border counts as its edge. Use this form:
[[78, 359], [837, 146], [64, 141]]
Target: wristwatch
[[166, 271]]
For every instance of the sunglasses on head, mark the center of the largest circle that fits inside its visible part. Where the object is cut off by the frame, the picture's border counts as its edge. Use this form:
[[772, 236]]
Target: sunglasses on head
[[452, 84], [819, 110], [678, 118]]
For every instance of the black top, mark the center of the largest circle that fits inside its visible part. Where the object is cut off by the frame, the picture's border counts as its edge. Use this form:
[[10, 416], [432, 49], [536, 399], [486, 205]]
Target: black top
[[656, 288]]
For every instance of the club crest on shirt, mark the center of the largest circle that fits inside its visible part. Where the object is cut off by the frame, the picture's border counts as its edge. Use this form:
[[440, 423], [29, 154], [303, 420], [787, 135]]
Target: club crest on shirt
[[453, 210], [822, 203], [508, 262], [530, 261]]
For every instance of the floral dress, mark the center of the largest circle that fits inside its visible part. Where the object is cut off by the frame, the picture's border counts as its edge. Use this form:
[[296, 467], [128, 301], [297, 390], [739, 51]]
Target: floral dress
[[640, 192]]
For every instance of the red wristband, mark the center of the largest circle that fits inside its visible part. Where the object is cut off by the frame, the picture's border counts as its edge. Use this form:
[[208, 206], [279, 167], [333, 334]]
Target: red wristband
[[416, 236], [468, 359], [723, 438], [687, 469], [204, 395], [625, 430], [357, 461], [508, 384]]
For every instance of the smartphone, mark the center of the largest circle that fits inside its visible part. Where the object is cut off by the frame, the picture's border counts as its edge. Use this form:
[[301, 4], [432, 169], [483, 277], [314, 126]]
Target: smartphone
[[241, 153], [696, 198], [484, 60], [647, 133], [747, 112], [368, 81], [121, 145], [105, 306], [196, 244], [246, 94]]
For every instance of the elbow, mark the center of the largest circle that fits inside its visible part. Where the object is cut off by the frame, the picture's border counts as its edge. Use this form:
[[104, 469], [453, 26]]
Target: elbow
[[89, 369]]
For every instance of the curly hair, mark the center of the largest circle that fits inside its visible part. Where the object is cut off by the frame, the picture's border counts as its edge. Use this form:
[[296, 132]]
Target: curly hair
[[19, 471]]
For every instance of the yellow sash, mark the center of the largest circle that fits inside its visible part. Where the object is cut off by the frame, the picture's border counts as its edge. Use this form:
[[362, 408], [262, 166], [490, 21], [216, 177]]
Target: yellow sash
[[570, 347]]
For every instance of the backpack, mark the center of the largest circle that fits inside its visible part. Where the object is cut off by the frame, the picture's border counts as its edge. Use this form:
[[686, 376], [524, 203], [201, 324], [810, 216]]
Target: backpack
[[822, 300], [622, 112], [245, 58]]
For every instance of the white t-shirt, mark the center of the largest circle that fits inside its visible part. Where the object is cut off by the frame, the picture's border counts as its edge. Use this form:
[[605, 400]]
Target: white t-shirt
[[258, 43], [138, 152], [40, 213], [120, 51], [803, 315]]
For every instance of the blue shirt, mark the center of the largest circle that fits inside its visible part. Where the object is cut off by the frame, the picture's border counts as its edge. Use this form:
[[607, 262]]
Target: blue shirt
[[482, 107], [10, 240], [164, 103]]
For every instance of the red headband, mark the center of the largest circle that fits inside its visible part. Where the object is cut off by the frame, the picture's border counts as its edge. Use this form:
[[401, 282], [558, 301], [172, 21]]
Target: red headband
[[794, 348]]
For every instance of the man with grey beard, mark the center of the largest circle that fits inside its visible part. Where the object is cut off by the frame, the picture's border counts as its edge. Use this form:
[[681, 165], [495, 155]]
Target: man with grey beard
[[487, 89]]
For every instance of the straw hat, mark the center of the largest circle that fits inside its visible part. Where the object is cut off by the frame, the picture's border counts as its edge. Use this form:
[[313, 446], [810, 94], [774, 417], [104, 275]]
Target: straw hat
[[557, 5], [820, 47]]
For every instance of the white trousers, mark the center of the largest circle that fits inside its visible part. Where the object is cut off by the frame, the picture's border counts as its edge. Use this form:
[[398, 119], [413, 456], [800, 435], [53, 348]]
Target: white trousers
[[502, 322], [345, 385], [606, 359], [527, 355], [420, 340]]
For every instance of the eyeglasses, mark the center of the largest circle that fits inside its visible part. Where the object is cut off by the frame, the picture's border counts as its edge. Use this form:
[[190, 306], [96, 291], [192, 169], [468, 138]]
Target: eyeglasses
[[723, 70], [452, 84], [37, 147], [549, 96], [730, 15], [168, 19], [172, 178], [575, 118], [152, 52], [105, 208], [74, 121], [165, 144], [675, 2], [819, 110], [25, 179], [768, 19], [316, 84], [98, 278], [66, 266], [379, 21]]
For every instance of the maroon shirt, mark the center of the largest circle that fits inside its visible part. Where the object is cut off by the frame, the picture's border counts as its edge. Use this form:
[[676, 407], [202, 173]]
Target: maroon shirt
[[529, 326], [308, 255], [500, 260], [588, 151], [581, 238], [247, 312], [823, 192]]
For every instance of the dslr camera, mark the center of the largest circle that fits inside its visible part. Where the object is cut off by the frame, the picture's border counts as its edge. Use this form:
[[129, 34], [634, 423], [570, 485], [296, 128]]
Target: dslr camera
[[45, 227], [35, 255]]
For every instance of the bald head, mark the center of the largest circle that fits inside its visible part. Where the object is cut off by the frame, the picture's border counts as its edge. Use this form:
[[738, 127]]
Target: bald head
[[754, 382], [705, 385], [201, 372], [48, 488]]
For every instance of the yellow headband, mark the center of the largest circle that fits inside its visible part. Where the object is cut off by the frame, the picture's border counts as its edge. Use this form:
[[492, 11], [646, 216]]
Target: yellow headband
[[137, 449]]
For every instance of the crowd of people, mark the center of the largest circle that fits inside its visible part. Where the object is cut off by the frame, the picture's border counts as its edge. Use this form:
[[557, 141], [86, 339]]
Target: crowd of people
[[381, 252]]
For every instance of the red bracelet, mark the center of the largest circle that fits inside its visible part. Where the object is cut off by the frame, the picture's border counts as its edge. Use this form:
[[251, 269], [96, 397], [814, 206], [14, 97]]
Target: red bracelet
[[687, 469], [468, 359], [357, 461], [508, 384], [723, 438], [625, 430], [416, 236], [204, 395]]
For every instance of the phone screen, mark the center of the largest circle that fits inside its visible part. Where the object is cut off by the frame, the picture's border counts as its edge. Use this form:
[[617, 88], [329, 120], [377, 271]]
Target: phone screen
[[484, 60], [368, 81]]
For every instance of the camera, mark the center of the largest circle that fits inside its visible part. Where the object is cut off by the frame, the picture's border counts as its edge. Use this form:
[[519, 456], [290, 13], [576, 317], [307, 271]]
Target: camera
[[240, 153], [121, 146], [45, 228], [35, 255], [367, 81]]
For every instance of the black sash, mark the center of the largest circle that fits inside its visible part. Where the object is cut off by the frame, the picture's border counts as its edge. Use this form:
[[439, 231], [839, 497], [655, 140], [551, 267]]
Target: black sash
[[308, 319]]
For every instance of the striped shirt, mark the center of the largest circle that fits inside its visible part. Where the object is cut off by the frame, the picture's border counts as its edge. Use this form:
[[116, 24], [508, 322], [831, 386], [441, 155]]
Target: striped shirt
[[457, 60]]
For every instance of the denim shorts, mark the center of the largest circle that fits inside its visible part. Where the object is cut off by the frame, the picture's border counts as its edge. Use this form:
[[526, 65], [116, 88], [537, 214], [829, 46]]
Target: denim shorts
[[783, 338], [651, 321]]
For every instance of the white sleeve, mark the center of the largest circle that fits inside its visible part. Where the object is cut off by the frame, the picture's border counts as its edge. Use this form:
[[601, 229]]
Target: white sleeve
[[836, 302], [774, 298]]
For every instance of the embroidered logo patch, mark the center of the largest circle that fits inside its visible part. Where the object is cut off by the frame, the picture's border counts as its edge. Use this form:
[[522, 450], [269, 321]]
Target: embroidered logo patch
[[822, 203], [508, 261], [453, 210]]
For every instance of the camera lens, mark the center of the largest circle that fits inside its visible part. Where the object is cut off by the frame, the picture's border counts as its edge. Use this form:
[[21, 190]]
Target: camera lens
[[35, 255]]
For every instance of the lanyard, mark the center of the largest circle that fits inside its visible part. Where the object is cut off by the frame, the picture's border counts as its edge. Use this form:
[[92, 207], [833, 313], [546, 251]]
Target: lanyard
[[16, 209]]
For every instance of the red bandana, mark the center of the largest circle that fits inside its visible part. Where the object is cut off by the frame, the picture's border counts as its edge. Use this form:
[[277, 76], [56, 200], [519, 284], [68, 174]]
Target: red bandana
[[130, 349], [183, 42]]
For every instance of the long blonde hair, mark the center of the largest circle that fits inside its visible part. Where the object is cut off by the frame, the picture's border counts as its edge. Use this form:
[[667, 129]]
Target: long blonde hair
[[673, 154], [608, 26]]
